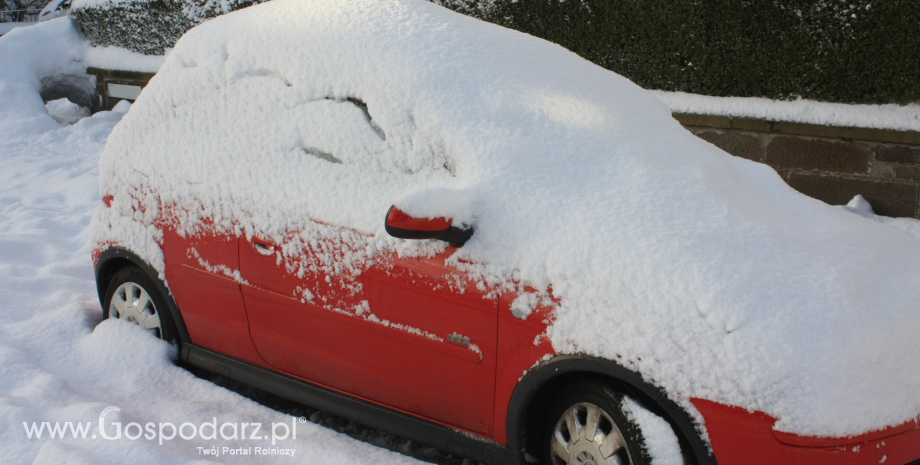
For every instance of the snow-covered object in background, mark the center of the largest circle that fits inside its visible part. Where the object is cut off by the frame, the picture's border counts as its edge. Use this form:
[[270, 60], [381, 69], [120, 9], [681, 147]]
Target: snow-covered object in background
[[66, 112], [861, 207], [888, 116], [705, 272], [660, 441], [58, 363], [51, 50], [122, 106], [54, 9]]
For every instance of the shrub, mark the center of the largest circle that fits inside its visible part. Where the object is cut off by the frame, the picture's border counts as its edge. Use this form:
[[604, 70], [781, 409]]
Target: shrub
[[147, 26], [853, 51]]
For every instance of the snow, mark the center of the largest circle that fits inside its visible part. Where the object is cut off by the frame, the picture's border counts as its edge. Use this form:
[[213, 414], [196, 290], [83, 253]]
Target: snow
[[660, 441], [888, 116], [79, 4], [58, 361], [706, 272], [66, 112], [121, 59], [861, 207], [7, 27]]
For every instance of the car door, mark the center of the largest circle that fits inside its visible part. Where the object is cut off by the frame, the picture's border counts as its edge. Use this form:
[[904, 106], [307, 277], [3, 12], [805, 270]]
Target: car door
[[412, 334], [200, 270]]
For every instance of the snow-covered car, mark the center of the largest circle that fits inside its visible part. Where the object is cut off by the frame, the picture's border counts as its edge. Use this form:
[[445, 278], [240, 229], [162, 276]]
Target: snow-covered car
[[474, 238]]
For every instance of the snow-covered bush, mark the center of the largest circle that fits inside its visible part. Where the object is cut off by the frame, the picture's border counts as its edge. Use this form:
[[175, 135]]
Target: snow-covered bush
[[147, 26], [849, 51]]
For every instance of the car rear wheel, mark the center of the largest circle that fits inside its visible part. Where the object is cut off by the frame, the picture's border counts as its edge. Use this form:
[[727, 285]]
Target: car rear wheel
[[586, 426], [132, 296]]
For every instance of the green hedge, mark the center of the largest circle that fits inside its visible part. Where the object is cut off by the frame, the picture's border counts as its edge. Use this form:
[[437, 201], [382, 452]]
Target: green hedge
[[148, 26], [852, 51]]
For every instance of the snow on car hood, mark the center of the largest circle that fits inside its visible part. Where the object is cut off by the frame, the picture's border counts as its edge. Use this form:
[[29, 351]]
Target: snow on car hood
[[707, 272]]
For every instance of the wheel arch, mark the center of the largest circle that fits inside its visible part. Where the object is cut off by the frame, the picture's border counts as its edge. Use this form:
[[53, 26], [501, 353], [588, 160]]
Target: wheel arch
[[113, 259], [536, 389]]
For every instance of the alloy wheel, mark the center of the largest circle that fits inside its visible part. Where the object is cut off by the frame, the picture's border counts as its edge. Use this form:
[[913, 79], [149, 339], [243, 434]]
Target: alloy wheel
[[132, 303], [586, 435]]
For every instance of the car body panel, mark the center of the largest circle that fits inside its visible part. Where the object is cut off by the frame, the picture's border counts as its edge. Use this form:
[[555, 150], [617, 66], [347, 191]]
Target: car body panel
[[383, 335], [198, 270], [741, 437], [240, 302], [521, 345]]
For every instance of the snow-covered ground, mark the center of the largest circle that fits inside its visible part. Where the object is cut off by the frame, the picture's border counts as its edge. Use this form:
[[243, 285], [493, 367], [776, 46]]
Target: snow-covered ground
[[58, 363]]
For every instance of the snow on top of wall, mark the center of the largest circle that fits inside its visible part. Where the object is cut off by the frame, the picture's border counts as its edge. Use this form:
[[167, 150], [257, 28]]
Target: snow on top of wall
[[888, 116], [122, 59], [705, 271], [78, 4]]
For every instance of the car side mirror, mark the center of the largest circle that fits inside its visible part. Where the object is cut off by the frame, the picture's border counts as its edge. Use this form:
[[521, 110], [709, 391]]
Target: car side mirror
[[399, 224]]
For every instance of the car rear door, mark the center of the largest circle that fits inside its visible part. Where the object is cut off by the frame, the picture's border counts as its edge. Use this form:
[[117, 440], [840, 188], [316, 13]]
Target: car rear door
[[412, 334]]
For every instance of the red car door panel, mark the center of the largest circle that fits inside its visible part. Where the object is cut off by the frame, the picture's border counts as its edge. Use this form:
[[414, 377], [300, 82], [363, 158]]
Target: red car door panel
[[401, 333], [199, 272]]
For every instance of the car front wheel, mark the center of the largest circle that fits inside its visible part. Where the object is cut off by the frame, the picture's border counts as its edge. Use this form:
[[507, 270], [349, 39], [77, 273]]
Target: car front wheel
[[132, 296], [586, 425]]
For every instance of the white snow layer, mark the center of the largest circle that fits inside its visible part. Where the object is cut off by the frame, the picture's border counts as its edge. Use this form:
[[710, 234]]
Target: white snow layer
[[66, 112], [888, 116], [661, 443], [861, 207], [57, 362], [121, 59], [708, 273]]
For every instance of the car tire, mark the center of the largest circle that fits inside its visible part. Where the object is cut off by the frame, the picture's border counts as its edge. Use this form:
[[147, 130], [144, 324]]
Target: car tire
[[133, 296], [615, 439]]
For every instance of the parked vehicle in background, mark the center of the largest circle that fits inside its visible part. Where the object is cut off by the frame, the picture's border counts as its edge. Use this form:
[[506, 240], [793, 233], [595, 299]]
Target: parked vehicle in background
[[55, 9], [473, 238], [27, 13]]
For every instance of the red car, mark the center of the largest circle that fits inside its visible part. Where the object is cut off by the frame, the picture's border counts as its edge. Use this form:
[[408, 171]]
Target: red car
[[312, 298]]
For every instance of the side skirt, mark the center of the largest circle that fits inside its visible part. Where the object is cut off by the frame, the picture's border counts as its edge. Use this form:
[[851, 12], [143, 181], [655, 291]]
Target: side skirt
[[369, 414]]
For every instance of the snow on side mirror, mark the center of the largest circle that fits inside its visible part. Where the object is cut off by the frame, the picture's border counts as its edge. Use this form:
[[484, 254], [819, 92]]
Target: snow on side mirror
[[401, 225]]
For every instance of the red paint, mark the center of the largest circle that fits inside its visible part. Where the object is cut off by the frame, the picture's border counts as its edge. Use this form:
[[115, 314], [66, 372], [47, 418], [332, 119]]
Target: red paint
[[400, 220], [315, 325], [741, 437], [324, 335], [520, 347], [813, 441], [210, 301], [108, 200]]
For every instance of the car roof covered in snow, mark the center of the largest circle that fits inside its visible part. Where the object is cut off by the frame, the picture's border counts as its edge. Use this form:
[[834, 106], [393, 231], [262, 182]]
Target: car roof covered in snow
[[707, 272]]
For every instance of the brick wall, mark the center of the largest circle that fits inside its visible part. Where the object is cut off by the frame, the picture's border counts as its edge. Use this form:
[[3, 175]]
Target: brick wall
[[828, 163]]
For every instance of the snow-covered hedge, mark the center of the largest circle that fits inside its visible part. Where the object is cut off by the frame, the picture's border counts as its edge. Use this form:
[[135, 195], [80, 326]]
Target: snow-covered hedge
[[849, 51], [147, 26]]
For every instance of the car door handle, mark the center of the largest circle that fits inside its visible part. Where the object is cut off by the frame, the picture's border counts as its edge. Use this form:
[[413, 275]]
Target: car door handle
[[263, 247]]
